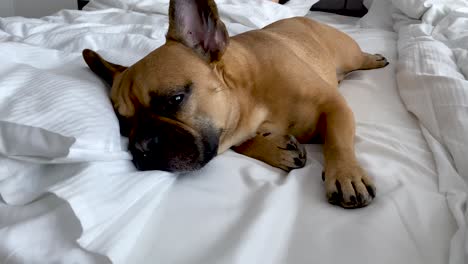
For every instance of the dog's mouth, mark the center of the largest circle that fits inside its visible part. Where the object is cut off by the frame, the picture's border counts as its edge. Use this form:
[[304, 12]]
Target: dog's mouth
[[172, 146]]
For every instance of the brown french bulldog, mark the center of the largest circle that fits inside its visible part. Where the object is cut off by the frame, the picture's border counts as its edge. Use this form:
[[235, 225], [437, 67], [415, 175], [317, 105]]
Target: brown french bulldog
[[261, 93]]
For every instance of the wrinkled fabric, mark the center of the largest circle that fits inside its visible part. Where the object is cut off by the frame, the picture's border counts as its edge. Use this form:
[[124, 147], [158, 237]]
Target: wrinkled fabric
[[234, 210], [432, 80]]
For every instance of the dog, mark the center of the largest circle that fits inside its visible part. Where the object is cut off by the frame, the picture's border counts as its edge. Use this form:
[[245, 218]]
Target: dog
[[261, 93]]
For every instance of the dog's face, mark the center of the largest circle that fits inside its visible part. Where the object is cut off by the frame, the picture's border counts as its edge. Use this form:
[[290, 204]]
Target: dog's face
[[171, 104]]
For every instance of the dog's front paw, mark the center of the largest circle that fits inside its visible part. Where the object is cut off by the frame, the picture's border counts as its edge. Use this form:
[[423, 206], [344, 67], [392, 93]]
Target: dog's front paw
[[291, 154], [348, 186]]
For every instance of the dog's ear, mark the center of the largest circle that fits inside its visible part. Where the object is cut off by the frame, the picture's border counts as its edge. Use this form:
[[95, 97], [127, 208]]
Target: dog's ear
[[196, 24], [104, 69]]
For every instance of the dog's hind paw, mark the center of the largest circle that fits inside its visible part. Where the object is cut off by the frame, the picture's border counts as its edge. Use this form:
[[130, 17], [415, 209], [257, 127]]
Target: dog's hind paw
[[380, 60], [373, 61]]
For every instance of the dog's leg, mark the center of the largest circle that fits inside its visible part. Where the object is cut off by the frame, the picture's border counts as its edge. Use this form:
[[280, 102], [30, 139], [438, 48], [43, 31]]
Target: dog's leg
[[366, 62], [372, 61], [346, 182], [281, 151]]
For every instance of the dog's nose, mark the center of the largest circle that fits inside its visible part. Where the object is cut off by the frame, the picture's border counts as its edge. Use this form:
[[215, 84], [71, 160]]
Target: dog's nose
[[144, 154], [146, 145]]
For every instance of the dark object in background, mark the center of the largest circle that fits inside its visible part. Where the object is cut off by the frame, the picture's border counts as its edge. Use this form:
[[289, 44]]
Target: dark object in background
[[82, 3], [353, 8]]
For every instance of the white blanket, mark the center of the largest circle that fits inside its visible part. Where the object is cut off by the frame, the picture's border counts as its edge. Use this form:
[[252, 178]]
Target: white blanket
[[432, 79], [235, 210]]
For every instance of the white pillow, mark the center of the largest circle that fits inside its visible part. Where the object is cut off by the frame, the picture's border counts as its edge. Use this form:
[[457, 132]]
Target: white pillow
[[261, 7], [379, 16], [147, 6], [367, 3], [49, 103], [412, 8]]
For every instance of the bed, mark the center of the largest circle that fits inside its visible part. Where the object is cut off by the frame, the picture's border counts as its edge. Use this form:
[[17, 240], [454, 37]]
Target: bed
[[70, 194]]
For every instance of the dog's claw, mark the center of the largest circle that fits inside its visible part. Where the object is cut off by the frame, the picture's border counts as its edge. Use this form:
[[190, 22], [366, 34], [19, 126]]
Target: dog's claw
[[334, 198], [370, 190]]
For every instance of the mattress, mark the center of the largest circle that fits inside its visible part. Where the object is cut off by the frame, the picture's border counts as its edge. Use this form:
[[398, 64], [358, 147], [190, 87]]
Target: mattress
[[73, 196]]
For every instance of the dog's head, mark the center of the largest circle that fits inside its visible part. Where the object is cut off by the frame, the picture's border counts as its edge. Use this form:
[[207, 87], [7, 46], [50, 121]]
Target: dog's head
[[172, 104]]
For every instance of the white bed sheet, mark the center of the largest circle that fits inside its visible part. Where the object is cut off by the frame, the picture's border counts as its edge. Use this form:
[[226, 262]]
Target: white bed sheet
[[235, 210]]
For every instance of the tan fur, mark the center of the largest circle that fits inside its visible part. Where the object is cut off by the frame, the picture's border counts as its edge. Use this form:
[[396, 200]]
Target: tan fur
[[271, 90]]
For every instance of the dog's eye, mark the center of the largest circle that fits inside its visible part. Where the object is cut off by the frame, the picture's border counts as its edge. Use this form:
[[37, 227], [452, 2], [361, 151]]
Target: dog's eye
[[176, 99], [169, 104]]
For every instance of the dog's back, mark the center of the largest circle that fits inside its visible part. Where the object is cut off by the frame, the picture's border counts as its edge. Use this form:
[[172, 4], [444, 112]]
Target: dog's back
[[320, 48], [292, 66]]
